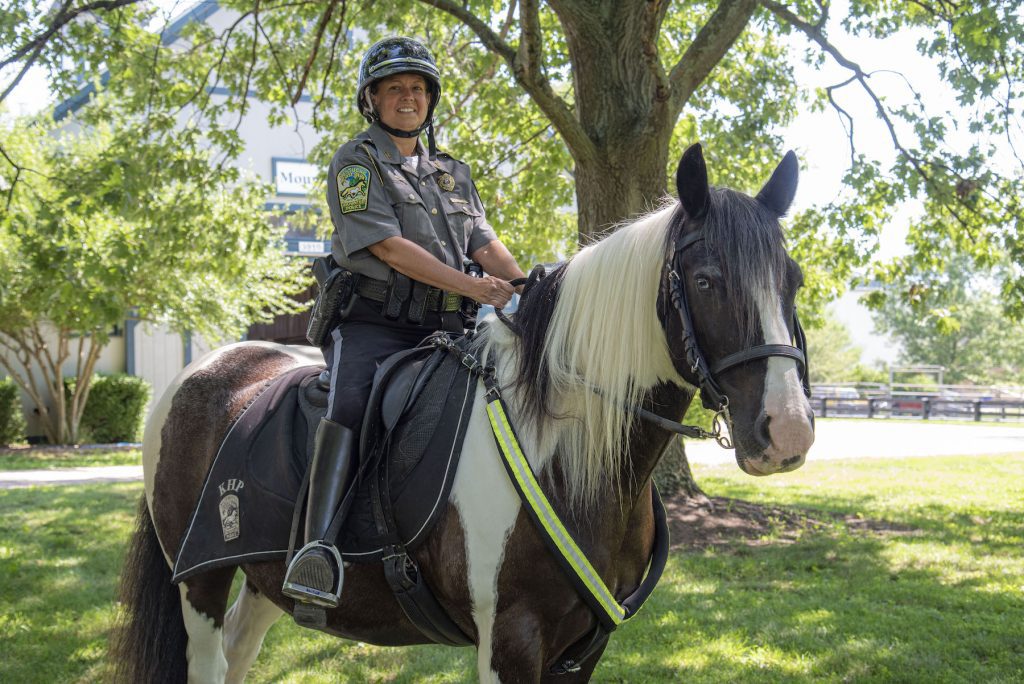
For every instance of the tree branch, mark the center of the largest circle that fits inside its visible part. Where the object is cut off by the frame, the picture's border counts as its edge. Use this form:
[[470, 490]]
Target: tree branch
[[21, 74], [327, 69], [321, 27], [713, 41], [655, 15], [530, 78], [530, 54], [844, 116], [816, 36], [62, 18]]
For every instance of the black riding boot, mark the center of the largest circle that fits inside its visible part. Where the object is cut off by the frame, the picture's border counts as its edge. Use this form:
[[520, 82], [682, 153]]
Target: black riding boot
[[315, 573]]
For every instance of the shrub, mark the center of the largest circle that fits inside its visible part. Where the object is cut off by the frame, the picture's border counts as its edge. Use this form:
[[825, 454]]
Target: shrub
[[12, 420], [115, 409]]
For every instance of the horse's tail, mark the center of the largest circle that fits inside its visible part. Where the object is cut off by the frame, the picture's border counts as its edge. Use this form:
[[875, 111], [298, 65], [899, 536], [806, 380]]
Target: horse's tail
[[149, 642]]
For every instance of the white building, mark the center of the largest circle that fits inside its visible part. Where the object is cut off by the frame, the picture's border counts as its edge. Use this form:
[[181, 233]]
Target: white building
[[276, 154]]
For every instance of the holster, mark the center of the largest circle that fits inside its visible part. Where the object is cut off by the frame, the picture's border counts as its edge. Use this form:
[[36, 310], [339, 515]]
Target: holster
[[333, 301]]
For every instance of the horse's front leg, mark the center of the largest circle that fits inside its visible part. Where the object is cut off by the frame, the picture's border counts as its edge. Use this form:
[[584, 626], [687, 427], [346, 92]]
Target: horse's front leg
[[245, 625]]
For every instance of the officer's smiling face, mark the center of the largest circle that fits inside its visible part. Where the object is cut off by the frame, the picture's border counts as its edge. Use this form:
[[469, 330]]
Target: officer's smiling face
[[402, 101]]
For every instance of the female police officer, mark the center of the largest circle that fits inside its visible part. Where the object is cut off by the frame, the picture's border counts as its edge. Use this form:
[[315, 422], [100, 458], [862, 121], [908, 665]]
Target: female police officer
[[404, 223]]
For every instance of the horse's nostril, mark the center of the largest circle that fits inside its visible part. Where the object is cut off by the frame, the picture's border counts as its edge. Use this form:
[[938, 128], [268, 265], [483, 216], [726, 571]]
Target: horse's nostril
[[810, 417], [761, 434]]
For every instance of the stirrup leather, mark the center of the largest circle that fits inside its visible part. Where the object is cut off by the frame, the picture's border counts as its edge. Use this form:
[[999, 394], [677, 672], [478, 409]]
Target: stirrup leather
[[298, 578]]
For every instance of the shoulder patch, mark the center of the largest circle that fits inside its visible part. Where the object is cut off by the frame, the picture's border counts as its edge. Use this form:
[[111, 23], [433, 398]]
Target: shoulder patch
[[353, 188]]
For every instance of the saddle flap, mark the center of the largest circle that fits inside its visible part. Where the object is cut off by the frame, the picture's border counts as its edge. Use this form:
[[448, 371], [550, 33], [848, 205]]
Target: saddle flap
[[398, 371], [245, 511], [399, 392]]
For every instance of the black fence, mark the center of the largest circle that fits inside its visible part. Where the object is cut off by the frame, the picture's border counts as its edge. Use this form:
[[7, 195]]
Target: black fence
[[918, 407]]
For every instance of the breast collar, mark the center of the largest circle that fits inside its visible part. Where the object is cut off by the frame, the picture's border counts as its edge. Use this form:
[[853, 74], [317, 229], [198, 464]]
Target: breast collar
[[711, 392]]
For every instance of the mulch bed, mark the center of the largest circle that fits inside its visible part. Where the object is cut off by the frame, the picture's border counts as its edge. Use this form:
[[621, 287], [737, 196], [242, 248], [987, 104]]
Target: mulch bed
[[703, 522]]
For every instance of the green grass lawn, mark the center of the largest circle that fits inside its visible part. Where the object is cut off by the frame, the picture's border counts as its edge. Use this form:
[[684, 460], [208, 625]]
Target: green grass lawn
[[47, 459], [917, 575]]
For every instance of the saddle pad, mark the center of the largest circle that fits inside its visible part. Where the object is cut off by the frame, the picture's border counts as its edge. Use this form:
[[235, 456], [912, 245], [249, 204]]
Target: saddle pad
[[245, 511]]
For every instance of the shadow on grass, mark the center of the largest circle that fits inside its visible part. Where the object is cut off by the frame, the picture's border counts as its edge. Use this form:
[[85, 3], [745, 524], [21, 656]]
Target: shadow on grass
[[942, 601], [832, 606]]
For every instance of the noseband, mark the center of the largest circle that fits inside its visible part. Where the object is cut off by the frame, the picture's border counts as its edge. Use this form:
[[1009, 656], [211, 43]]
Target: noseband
[[711, 393]]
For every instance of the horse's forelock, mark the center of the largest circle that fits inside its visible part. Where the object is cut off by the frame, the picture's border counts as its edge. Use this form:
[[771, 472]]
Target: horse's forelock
[[749, 244]]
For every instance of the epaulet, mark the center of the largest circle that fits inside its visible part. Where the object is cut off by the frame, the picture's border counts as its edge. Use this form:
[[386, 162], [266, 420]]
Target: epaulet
[[444, 156]]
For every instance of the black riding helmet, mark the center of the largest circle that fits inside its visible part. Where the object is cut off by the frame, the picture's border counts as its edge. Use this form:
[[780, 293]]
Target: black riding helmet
[[392, 56]]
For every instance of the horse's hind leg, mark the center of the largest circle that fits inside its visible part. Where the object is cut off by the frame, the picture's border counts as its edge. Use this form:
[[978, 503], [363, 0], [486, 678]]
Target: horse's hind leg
[[204, 599], [245, 625]]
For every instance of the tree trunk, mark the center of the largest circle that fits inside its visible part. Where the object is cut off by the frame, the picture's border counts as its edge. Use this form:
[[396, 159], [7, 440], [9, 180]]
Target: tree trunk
[[673, 473], [621, 101], [622, 184]]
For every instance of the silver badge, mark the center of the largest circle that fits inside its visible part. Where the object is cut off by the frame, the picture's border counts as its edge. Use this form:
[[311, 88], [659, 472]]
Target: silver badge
[[230, 514]]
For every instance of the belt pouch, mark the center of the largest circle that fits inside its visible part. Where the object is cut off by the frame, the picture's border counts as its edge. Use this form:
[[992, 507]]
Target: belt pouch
[[418, 305], [398, 291]]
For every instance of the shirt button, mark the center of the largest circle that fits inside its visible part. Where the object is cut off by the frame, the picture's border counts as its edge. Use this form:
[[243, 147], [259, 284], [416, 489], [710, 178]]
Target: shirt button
[[423, 183], [443, 243], [412, 196], [433, 210]]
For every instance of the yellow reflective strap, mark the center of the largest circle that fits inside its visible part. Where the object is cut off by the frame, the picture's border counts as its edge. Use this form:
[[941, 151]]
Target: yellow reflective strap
[[546, 514]]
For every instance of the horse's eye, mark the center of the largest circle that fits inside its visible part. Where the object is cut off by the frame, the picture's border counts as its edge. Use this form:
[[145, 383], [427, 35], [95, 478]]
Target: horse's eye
[[703, 283]]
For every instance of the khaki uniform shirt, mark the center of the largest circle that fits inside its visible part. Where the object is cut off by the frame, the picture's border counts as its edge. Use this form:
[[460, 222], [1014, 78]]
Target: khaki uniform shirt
[[374, 194]]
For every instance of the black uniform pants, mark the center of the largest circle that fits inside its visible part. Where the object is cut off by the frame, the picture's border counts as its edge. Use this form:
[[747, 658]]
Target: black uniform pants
[[356, 348]]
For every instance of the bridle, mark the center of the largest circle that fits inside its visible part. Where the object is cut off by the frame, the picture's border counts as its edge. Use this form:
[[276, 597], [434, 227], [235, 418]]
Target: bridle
[[712, 395]]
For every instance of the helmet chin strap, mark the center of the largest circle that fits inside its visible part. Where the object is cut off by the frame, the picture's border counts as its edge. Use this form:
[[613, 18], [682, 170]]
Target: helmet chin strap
[[429, 126]]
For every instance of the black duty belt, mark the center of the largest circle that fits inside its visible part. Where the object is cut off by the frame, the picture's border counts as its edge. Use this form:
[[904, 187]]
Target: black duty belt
[[437, 300]]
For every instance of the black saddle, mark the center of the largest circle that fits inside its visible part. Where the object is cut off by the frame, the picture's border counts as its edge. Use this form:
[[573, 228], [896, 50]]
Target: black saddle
[[410, 445]]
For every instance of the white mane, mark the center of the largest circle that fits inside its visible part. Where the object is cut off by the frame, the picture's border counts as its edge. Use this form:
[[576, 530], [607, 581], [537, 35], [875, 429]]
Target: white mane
[[604, 348]]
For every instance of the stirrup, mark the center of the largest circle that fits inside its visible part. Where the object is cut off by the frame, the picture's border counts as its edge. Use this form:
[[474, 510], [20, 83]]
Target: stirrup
[[308, 574]]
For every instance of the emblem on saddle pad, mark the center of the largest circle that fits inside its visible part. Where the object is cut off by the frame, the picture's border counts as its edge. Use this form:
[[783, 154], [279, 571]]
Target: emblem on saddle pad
[[230, 517]]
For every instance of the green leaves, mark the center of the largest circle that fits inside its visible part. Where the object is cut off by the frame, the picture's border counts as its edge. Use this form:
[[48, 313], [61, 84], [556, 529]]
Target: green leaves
[[951, 317]]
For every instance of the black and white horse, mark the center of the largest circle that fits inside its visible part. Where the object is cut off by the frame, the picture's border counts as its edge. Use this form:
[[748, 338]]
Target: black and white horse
[[697, 294]]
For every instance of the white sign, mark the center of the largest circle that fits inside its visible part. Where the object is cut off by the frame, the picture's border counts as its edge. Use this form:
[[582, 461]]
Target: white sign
[[293, 177], [310, 247]]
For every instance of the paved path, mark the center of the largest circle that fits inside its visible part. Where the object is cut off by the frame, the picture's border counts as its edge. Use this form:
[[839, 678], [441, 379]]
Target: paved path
[[863, 438], [32, 478], [835, 439]]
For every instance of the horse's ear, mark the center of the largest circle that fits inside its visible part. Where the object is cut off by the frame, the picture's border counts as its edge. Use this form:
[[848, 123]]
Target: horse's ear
[[777, 194], [692, 182]]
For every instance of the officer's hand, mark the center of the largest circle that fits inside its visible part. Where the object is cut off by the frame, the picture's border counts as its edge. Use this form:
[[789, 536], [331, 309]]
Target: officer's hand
[[493, 291]]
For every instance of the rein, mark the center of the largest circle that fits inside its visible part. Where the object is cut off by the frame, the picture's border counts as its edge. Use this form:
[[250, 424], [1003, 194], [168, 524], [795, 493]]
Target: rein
[[720, 420], [610, 613]]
